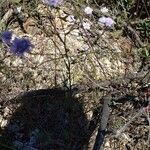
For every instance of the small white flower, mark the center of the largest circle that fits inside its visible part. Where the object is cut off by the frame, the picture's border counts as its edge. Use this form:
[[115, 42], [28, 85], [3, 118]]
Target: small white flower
[[104, 10], [86, 25], [19, 9], [88, 10], [102, 20], [70, 19], [84, 47], [13, 37]]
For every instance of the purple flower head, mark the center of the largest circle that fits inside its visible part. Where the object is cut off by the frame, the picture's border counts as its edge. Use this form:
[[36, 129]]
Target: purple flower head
[[53, 3], [20, 45], [6, 37], [107, 21]]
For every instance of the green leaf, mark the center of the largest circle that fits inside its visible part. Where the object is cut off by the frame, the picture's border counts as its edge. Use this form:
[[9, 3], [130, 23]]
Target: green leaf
[[2, 26], [146, 53], [15, 1]]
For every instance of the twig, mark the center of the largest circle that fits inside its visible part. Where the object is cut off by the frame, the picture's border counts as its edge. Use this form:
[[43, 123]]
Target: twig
[[7, 16], [101, 131], [135, 37], [7, 147], [122, 129]]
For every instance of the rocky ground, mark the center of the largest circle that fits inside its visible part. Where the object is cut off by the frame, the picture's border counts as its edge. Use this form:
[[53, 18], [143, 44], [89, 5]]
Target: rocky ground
[[73, 69]]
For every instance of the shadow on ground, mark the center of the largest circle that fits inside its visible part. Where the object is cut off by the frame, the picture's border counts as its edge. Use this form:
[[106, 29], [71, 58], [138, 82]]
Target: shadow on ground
[[47, 119]]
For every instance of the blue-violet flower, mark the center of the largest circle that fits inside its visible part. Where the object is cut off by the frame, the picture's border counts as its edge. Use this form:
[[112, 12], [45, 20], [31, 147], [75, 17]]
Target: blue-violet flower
[[20, 45], [6, 37]]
